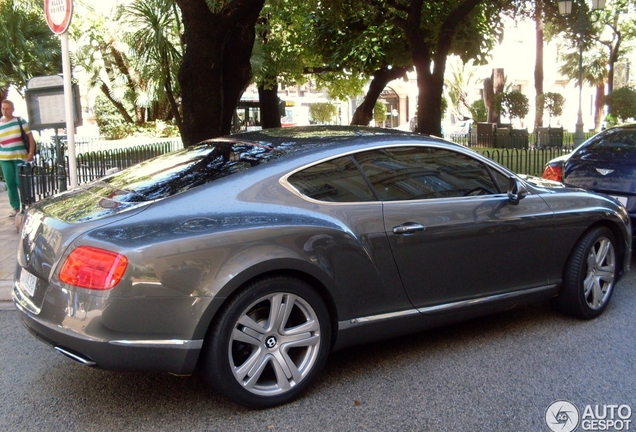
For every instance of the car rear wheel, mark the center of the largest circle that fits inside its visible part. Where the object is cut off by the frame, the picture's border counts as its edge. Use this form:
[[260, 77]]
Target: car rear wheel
[[590, 275], [269, 343]]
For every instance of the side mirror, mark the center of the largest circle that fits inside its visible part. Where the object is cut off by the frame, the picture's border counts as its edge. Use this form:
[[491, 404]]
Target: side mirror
[[516, 190]]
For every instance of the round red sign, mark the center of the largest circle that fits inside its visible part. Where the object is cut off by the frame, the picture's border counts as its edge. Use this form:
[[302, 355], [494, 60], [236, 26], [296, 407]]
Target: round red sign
[[58, 14]]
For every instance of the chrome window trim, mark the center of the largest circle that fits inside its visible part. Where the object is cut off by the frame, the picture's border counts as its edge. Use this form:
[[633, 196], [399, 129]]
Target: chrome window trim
[[284, 180]]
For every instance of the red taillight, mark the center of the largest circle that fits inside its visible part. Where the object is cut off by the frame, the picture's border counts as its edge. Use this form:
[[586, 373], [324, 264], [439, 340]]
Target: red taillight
[[93, 268], [553, 172]]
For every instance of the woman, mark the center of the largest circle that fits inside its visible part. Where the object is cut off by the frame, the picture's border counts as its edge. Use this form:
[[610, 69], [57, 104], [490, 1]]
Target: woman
[[13, 151]]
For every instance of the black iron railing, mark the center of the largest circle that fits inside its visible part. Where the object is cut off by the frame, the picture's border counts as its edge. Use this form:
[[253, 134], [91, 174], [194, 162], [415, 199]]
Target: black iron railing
[[47, 174]]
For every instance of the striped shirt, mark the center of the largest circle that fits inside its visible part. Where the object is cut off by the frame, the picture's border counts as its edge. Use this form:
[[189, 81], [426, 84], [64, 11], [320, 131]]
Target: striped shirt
[[11, 145]]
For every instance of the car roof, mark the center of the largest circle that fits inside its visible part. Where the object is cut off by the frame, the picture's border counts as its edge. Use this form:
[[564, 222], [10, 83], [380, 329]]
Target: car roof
[[295, 139]]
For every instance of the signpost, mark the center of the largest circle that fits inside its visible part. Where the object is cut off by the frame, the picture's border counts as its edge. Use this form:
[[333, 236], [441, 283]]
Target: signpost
[[58, 17]]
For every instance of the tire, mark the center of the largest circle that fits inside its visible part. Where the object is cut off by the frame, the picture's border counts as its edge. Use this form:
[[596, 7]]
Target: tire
[[590, 275], [261, 364]]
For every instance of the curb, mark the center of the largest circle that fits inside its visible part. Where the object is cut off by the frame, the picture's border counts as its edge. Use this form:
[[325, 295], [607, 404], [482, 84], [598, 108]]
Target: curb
[[5, 296]]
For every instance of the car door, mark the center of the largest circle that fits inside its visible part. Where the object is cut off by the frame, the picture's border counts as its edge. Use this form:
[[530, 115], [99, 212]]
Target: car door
[[454, 233]]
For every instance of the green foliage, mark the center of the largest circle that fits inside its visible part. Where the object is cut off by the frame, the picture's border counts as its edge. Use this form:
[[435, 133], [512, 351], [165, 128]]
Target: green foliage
[[110, 123], [460, 77], [323, 113], [478, 111], [552, 103], [610, 120], [622, 103], [513, 104], [112, 126], [132, 57], [379, 113], [28, 48]]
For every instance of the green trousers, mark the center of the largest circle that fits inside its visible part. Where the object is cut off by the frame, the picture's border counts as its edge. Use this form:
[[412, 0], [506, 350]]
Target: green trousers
[[11, 177]]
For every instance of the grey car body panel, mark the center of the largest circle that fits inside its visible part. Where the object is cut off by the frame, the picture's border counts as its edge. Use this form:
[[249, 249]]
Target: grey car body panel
[[189, 252]]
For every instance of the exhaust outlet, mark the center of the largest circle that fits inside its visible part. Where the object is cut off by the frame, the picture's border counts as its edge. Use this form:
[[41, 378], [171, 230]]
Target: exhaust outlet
[[76, 357]]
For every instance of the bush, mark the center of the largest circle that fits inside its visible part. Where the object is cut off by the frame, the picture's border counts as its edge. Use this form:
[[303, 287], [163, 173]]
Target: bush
[[112, 126], [478, 111], [379, 113], [323, 113], [552, 103], [622, 103], [513, 104]]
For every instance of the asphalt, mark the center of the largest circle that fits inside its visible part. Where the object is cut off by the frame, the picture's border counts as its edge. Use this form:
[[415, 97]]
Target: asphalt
[[9, 237]]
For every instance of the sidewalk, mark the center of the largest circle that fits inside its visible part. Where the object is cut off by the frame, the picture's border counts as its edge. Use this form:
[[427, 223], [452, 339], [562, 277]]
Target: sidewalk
[[9, 239]]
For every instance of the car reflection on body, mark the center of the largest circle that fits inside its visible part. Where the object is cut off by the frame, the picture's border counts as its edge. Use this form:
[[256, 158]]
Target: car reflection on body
[[253, 256], [605, 163]]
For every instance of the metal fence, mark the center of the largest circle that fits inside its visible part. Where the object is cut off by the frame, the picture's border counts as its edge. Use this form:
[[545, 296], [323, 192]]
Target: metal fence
[[47, 174]]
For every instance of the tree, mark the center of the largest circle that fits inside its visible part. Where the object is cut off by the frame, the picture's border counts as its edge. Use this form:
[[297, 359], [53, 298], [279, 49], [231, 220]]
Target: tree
[[29, 48], [552, 103], [379, 113], [215, 69], [462, 77], [103, 57], [512, 104], [478, 111], [434, 30], [323, 113], [155, 40], [355, 43], [545, 15], [622, 103], [594, 73], [622, 28]]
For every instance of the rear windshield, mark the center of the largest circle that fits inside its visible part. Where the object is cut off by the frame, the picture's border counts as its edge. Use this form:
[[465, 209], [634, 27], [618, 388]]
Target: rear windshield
[[177, 172], [614, 143]]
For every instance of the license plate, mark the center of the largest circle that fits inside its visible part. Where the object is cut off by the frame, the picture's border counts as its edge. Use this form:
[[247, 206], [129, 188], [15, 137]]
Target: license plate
[[28, 282], [623, 200]]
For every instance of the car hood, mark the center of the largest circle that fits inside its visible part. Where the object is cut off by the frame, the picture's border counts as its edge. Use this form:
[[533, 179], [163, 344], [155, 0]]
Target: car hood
[[602, 171], [541, 182]]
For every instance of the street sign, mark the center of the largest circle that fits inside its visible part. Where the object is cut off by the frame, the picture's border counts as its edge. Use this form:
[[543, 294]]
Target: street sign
[[46, 105], [58, 14]]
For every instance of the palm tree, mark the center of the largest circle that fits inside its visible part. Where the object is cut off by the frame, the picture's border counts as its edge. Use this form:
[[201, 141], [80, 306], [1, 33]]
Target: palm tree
[[155, 41], [29, 48], [103, 59], [462, 76], [594, 74]]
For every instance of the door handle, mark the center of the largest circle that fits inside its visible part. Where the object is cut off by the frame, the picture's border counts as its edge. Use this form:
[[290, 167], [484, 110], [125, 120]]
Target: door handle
[[408, 228]]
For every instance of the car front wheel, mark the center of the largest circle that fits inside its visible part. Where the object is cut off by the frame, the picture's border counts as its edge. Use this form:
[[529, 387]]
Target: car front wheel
[[590, 275], [269, 343]]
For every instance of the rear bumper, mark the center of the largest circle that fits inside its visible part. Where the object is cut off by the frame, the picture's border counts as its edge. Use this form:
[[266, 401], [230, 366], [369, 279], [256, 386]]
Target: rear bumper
[[170, 355]]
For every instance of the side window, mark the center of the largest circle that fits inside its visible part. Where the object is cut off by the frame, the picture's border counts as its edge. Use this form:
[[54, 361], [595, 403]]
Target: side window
[[614, 141], [337, 180], [424, 173]]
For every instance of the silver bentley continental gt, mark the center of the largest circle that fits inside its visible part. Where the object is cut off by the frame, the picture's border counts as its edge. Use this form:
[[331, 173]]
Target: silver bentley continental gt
[[251, 257]]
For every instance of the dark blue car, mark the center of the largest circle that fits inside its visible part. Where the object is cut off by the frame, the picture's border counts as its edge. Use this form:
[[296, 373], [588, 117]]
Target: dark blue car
[[605, 163]]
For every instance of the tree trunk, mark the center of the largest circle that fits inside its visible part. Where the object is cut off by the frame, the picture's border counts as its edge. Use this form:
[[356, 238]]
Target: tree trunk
[[268, 101], [429, 103], [430, 81], [538, 63], [117, 104], [599, 107], [613, 58], [215, 68], [364, 113]]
